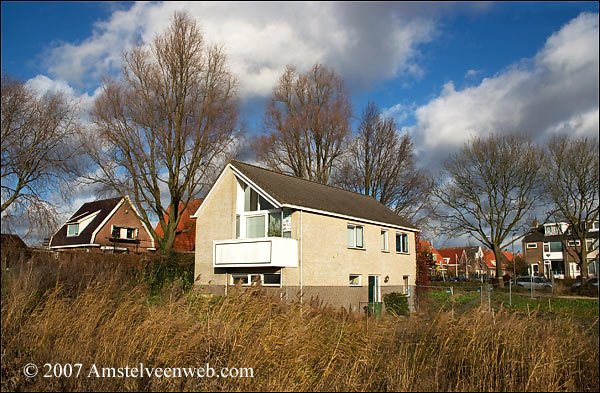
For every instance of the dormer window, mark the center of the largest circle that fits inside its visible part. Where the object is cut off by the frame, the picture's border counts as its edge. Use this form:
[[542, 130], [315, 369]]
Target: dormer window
[[73, 229]]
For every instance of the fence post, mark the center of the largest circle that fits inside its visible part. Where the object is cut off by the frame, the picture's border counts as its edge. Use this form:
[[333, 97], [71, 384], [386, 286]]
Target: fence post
[[510, 293], [489, 300]]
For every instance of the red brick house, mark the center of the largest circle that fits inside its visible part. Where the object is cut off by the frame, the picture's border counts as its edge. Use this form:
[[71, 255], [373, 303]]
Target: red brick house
[[185, 236], [107, 225]]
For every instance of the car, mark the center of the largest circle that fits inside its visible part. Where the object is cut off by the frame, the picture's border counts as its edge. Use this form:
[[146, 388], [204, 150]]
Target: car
[[535, 281], [590, 281]]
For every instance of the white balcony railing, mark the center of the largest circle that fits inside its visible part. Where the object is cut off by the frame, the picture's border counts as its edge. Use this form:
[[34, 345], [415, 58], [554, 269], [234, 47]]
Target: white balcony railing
[[261, 252]]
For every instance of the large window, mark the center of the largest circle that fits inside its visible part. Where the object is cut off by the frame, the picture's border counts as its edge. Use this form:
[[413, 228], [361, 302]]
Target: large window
[[355, 236], [123, 232], [73, 230], [255, 226], [384, 240], [264, 279], [556, 247], [402, 243]]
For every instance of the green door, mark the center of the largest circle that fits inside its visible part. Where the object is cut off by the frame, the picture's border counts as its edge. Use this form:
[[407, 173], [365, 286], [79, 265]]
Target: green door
[[371, 289]]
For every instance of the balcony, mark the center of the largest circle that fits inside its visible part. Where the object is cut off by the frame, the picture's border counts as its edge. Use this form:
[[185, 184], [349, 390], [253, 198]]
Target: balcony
[[261, 252]]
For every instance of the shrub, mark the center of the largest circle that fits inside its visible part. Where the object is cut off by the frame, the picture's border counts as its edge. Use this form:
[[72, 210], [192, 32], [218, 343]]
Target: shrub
[[396, 303]]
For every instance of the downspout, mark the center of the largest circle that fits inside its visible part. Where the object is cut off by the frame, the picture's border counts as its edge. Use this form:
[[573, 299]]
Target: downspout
[[301, 239]]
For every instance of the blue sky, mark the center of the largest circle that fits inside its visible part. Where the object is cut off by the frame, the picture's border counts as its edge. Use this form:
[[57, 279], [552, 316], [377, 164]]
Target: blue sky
[[445, 71]]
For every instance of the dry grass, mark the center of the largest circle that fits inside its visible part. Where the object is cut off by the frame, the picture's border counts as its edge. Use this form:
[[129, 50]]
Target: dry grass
[[109, 321]]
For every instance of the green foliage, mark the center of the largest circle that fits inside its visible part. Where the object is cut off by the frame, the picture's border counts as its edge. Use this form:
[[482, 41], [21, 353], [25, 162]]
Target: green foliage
[[163, 272], [396, 303]]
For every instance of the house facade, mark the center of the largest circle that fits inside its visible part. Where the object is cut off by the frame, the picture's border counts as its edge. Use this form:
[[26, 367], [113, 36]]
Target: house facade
[[185, 234], [108, 225], [302, 238], [551, 251]]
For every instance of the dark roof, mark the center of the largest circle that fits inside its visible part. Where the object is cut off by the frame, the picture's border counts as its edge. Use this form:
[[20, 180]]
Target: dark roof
[[105, 206], [537, 235], [292, 190]]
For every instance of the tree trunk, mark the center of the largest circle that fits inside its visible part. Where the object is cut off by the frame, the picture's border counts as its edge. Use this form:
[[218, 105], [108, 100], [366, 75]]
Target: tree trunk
[[583, 265], [498, 255]]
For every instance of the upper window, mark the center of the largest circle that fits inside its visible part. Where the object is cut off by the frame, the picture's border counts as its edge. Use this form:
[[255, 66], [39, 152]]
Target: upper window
[[595, 226], [73, 230], [384, 240], [355, 236], [402, 243], [123, 232], [574, 243], [254, 202], [531, 245]]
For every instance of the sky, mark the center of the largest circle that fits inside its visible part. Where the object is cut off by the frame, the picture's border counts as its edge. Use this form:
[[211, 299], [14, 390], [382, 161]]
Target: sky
[[444, 71]]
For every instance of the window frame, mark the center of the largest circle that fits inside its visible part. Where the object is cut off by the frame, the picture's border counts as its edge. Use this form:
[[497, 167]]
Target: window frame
[[531, 245], [386, 247], [402, 251], [355, 237], [73, 225], [359, 280], [250, 282]]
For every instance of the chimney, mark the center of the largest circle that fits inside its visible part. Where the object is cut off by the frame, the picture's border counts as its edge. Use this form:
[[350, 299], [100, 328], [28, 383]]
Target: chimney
[[535, 223]]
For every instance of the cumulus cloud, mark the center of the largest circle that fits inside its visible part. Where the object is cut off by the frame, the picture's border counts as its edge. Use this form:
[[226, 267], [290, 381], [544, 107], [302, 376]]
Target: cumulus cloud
[[364, 42], [554, 92]]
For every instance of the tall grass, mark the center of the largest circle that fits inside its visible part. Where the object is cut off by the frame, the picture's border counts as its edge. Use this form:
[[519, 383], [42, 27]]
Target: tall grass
[[108, 320]]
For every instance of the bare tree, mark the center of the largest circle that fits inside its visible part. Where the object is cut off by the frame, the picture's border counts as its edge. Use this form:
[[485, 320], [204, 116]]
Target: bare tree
[[39, 152], [380, 163], [307, 122], [572, 184], [489, 186], [166, 128]]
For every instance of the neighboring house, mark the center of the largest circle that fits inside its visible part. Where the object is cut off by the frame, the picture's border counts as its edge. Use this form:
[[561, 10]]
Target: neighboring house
[[186, 229], [490, 262], [551, 250], [301, 237], [108, 225], [438, 267]]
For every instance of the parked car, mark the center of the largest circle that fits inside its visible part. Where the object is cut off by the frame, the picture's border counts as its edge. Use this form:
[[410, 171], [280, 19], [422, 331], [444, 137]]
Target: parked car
[[536, 281], [458, 278], [590, 281]]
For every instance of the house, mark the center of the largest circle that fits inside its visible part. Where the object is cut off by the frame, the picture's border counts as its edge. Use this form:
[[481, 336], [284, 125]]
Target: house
[[186, 229], [107, 225], [551, 250], [303, 238], [463, 261], [490, 262], [438, 267]]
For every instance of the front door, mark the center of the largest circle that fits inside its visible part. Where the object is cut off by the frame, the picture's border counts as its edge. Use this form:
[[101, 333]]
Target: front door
[[374, 289]]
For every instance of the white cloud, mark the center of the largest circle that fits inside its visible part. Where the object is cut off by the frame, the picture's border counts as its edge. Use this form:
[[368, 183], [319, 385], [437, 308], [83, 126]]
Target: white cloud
[[364, 42], [399, 112], [556, 91]]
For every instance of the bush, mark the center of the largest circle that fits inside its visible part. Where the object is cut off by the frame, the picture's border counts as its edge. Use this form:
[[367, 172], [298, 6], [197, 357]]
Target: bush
[[160, 272], [396, 303]]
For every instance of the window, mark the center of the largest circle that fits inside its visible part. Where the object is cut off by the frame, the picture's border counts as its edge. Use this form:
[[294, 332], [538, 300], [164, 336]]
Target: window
[[255, 226], [402, 243], [264, 279], [531, 245], [254, 202], [574, 243], [594, 226], [355, 236], [123, 232], [555, 247], [546, 247], [384, 240], [355, 280], [73, 230]]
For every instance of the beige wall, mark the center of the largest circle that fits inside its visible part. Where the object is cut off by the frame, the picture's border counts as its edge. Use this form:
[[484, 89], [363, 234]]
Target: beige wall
[[326, 261]]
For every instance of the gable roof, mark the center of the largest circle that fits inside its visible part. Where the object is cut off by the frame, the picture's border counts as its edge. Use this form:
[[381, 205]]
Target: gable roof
[[184, 241], [299, 193], [104, 207], [454, 254], [425, 245]]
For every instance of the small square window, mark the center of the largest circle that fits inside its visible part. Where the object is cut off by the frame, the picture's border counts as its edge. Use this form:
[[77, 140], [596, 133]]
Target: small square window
[[73, 230], [355, 280], [402, 243]]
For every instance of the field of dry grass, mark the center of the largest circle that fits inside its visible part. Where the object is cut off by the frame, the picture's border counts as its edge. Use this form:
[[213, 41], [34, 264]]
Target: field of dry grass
[[103, 314]]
